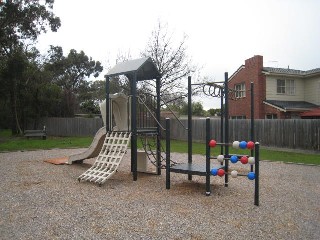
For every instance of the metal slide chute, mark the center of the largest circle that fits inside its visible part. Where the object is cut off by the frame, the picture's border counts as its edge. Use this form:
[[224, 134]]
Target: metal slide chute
[[93, 149]]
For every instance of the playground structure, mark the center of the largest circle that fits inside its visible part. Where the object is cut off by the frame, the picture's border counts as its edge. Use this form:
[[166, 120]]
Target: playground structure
[[140, 117], [222, 169], [119, 114]]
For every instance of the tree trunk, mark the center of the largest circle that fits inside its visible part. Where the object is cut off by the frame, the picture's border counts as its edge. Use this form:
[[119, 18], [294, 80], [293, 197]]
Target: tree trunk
[[15, 124]]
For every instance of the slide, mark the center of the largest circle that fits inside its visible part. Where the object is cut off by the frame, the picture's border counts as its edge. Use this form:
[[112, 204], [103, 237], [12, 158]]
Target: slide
[[93, 150], [119, 108], [106, 164]]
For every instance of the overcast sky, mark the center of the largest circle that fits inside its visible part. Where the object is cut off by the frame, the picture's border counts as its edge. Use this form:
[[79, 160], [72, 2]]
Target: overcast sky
[[221, 34]]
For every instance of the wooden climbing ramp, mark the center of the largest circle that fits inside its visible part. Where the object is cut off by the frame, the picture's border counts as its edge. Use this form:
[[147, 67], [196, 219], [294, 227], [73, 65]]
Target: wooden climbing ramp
[[109, 158]]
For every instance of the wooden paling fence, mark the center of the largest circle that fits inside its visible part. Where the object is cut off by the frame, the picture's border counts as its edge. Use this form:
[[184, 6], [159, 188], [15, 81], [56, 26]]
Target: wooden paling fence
[[289, 133], [72, 126]]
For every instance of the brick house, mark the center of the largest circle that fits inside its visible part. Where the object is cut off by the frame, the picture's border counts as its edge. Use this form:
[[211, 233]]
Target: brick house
[[279, 93]]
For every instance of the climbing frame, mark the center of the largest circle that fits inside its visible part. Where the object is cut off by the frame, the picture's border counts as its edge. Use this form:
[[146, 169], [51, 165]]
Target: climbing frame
[[109, 158]]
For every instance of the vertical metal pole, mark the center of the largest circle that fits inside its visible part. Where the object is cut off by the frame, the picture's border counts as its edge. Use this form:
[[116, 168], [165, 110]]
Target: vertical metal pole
[[158, 106], [221, 125], [141, 111], [256, 168], [107, 104], [128, 114], [189, 125], [226, 116], [134, 127], [167, 153], [252, 120], [208, 134]]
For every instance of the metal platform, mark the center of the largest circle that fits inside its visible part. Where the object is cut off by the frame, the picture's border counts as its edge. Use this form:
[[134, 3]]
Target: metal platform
[[193, 169], [150, 130]]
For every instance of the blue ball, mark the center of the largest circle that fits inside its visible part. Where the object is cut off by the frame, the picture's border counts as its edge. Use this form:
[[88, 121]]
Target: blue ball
[[214, 171], [234, 159], [251, 175], [243, 144]]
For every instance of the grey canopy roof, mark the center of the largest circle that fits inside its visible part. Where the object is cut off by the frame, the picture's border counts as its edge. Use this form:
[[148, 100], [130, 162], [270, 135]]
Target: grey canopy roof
[[144, 68], [291, 105]]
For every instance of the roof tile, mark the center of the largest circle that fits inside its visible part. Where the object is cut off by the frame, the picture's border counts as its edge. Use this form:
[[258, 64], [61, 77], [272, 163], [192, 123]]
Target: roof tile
[[291, 71]]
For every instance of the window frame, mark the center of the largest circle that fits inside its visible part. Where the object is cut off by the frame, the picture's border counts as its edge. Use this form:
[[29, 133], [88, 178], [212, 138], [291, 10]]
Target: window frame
[[240, 90], [271, 116], [286, 86], [238, 117]]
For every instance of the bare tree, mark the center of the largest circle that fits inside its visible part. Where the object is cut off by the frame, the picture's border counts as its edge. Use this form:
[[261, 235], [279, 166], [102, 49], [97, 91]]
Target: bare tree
[[172, 61]]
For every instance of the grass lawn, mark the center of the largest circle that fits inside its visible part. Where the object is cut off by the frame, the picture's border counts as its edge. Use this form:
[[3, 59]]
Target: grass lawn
[[9, 143]]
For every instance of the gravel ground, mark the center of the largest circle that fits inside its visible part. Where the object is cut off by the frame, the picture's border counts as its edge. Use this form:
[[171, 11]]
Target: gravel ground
[[44, 201]]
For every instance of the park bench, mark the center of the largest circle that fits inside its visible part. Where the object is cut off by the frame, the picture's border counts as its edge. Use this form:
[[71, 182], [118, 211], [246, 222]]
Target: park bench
[[36, 133]]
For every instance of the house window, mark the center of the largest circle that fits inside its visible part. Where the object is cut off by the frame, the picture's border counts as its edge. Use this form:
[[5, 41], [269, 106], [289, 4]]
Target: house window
[[290, 88], [240, 90], [271, 116], [281, 86], [239, 117], [286, 86]]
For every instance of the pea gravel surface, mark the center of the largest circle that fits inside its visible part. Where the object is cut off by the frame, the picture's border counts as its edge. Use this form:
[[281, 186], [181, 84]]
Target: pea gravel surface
[[44, 201]]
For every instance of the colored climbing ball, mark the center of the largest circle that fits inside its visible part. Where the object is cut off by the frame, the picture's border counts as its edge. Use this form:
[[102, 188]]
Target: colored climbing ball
[[234, 174], [243, 145], [212, 143], [251, 160], [235, 144], [220, 158], [214, 172], [244, 159], [234, 159], [221, 172], [251, 175], [250, 145]]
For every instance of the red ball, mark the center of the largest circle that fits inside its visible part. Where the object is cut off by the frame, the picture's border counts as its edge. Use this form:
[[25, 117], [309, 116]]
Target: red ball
[[244, 159], [250, 145], [212, 143], [220, 172]]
